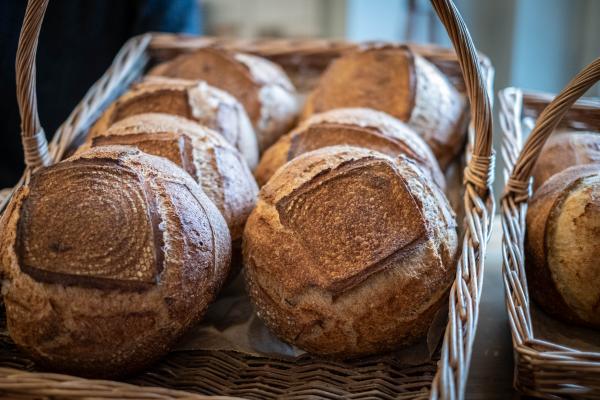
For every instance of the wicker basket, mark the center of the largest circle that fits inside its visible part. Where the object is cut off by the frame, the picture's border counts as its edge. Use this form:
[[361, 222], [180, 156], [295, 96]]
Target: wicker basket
[[183, 374], [542, 368]]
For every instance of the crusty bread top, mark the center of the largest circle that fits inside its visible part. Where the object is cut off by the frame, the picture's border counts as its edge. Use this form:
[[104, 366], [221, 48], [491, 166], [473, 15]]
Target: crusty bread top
[[349, 252], [565, 149], [260, 85], [97, 220], [543, 216], [240, 74], [174, 138], [194, 100], [394, 80], [107, 258], [360, 127], [380, 79], [574, 251], [205, 155], [340, 234]]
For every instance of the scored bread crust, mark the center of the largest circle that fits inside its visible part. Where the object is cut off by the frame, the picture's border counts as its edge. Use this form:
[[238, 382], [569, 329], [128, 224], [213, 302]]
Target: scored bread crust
[[360, 127], [401, 83], [260, 85], [205, 155], [565, 149], [543, 212], [107, 259], [194, 100], [349, 252]]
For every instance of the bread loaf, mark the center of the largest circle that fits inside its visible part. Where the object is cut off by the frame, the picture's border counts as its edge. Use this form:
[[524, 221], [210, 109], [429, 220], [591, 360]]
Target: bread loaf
[[563, 150], [403, 84], [195, 100], [349, 252], [562, 248], [360, 127], [107, 259], [260, 85], [206, 156]]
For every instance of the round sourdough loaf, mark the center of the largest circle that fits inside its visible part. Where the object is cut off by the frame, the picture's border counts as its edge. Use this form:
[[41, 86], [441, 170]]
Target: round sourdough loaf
[[403, 84], [107, 259], [562, 246], [563, 150], [349, 252], [206, 156], [359, 127], [194, 100], [260, 85]]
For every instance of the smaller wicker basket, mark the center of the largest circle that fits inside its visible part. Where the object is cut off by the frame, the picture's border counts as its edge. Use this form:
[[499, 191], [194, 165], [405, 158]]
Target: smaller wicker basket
[[542, 368]]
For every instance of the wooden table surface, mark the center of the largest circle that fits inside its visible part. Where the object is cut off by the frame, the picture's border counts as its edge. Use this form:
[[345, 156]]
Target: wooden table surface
[[491, 372]]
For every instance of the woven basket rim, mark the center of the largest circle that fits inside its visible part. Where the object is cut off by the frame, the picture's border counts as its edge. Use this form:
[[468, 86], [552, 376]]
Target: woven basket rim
[[542, 368]]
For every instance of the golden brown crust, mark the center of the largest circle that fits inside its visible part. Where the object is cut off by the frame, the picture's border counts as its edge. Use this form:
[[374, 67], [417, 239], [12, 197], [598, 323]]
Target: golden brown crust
[[360, 127], [543, 212], [220, 69], [107, 258], [260, 85], [205, 155], [364, 79], [194, 100], [563, 150], [349, 252], [394, 80]]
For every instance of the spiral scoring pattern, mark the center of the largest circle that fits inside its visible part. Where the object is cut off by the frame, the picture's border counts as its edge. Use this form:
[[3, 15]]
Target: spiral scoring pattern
[[54, 235]]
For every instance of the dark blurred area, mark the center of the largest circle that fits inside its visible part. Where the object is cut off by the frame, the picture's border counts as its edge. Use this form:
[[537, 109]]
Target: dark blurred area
[[78, 41]]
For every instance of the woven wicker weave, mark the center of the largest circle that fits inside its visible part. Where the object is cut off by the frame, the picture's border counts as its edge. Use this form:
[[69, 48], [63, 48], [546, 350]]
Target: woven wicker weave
[[229, 373], [543, 369]]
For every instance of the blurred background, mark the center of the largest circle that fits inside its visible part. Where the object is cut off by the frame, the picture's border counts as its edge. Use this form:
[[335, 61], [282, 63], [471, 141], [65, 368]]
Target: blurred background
[[537, 44], [534, 44]]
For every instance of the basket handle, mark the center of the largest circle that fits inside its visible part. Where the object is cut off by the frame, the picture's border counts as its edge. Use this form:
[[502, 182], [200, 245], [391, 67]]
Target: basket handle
[[480, 169], [451, 377], [519, 183], [35, 144]]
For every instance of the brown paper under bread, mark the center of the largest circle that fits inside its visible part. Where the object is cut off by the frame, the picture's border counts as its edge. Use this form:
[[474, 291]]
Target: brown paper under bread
[[108, 258], [349, 252]]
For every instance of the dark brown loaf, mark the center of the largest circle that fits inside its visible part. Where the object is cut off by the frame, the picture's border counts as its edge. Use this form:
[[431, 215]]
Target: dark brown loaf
[[195, 100], [360, 127], [562, 245], [349, 252], [108, 258], [563, 150], [260, 85], [403, 84], [205, 155]]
